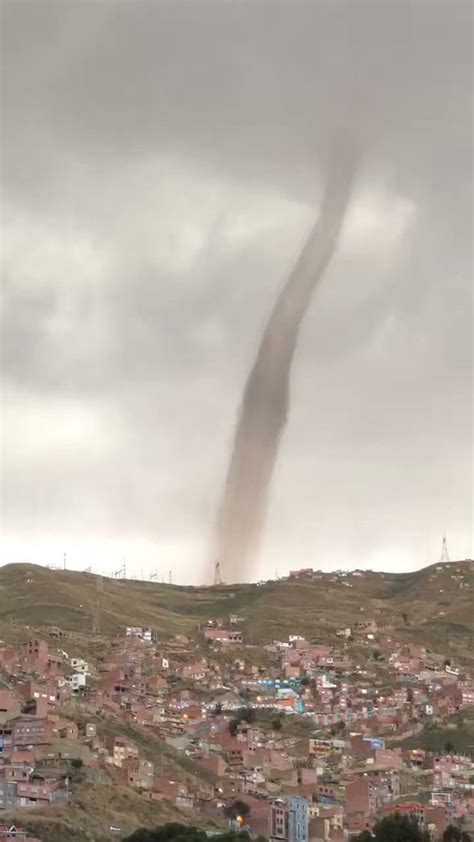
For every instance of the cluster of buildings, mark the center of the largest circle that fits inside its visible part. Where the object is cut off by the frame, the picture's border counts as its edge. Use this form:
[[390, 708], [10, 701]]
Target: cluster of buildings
[[308, 736]]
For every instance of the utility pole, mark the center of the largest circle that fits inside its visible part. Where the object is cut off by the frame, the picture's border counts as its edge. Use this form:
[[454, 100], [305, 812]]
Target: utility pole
[[64, 561], [217, 573], [170, 577]]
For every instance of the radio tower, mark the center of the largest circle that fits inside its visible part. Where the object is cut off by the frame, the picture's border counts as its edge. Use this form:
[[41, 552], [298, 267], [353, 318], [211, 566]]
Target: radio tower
[[217, 573], [444, 551]]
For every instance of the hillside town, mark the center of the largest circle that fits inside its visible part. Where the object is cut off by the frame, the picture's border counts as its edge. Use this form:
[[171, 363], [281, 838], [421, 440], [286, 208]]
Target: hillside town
[[294, 740]]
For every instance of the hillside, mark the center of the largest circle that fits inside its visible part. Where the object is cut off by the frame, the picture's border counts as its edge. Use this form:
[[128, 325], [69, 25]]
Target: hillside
[[433, 604], [173, 716], [94, 810]]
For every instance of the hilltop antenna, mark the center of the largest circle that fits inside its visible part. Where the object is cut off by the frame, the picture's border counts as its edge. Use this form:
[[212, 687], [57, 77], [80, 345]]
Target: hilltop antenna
[[444, 551], [217, 573], [121, 573], [170, 577], [64, 561], [154, 575]]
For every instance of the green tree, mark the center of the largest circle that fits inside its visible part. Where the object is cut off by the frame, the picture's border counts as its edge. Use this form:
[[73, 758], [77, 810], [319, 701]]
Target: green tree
[[455, 834], [449, 747], [233, 727], [397, 828], [394, 828], [246, 714], [173, 832], [236, 809]]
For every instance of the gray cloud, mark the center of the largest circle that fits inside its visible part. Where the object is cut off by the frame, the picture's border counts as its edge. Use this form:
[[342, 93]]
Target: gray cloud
[[160, 163]]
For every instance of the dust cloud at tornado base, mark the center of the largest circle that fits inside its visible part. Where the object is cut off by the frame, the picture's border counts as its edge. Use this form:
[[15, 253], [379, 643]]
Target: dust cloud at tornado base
[[266, 398]]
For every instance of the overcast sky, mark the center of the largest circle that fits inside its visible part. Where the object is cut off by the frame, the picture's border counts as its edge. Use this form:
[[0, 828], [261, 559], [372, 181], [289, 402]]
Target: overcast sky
[[162, 164]]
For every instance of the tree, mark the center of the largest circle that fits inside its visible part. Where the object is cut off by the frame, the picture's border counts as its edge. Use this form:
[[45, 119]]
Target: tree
[[75, 770], [172, 832], [277, 724], [449, 747], [452, 834], [175, 832], [455, 834], [234, 727], [397, 828], [237, 809], [218, 709], [305, 681], [394, 828], [376, 654], [246, 714]]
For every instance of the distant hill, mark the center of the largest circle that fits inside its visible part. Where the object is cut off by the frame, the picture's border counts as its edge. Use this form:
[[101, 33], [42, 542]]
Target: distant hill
[[434, 603]]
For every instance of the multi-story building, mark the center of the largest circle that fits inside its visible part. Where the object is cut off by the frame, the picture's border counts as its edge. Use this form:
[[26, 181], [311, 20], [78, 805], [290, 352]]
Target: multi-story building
[[7, 795], [288, 819]]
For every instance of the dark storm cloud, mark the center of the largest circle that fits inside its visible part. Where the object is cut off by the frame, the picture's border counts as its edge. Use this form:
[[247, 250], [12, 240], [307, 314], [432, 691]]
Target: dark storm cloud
[[160, 163]]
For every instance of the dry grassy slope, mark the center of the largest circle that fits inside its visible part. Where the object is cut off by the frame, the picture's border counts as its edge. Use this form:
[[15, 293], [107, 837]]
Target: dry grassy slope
[[437, 607], [94, 810]]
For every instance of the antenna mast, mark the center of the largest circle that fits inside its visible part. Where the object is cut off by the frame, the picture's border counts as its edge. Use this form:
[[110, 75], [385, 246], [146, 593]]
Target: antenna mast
[[217, 573], [444, 551]]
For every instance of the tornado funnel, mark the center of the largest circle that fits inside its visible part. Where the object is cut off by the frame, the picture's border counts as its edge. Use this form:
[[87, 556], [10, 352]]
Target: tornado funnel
[[265, 404]]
